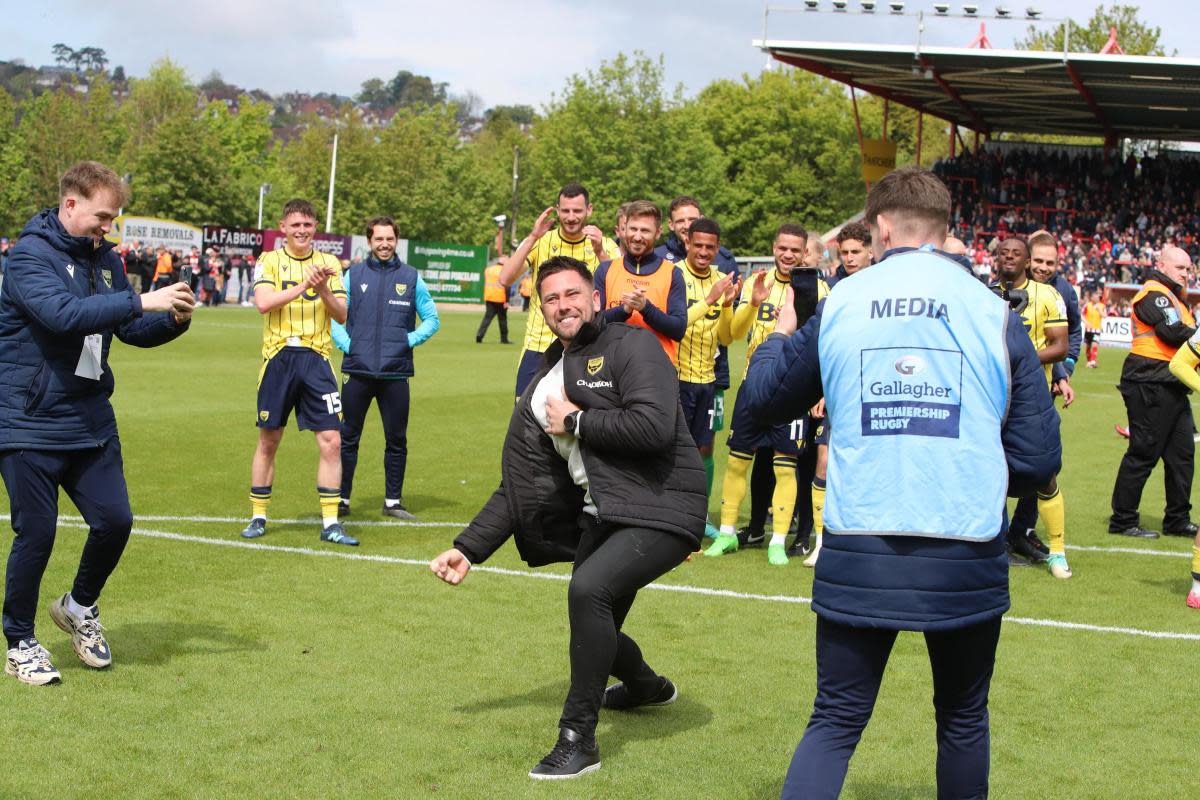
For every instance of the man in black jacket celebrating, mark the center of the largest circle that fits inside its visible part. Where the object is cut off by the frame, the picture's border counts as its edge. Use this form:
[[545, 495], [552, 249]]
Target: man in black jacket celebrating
[[598, 468]]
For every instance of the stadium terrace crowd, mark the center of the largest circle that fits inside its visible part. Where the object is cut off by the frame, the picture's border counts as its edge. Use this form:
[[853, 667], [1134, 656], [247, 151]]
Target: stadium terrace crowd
[[1112, 217]]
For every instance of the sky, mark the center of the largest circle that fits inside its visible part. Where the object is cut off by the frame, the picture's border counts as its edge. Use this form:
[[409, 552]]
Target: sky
[[504, 52]]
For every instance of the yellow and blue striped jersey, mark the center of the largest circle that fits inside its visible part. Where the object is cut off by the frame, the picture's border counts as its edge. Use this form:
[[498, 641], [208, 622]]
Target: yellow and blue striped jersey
[[707, 327], [760, 322], [304, 322], [538, 335]]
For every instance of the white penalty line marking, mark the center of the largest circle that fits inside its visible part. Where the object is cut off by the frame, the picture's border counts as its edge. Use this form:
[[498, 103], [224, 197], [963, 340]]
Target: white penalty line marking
[[662, 587]]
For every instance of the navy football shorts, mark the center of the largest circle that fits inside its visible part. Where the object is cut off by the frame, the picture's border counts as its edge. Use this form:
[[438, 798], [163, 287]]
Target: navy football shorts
[[746, 434], [696, 400], [301, 379], [820, 429]]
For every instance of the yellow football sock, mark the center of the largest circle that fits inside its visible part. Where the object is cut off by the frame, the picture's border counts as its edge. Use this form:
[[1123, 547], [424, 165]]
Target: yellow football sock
[[260, 498], [783, 500], [1054, 514], [733, 491], [329, 504], [818, 505], [1196, 561]]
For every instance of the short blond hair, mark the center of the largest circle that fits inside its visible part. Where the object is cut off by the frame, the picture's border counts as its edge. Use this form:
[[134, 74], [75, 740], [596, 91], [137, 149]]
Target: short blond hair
[[85, 177]]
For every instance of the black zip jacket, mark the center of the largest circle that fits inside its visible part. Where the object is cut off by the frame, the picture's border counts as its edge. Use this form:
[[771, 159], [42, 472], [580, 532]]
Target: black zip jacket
[[642, 466]]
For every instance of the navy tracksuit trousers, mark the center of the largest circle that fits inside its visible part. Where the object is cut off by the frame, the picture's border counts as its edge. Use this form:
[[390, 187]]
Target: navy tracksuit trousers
[[850, 664], [95, 482], [393, 395]]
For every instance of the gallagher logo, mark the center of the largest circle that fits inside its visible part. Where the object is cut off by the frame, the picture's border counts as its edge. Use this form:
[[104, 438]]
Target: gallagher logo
[[910, 365]]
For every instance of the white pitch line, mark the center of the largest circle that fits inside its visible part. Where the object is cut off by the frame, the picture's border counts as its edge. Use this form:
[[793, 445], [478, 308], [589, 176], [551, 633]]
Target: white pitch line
[[662, 587], [242, 521], [1137, 551]]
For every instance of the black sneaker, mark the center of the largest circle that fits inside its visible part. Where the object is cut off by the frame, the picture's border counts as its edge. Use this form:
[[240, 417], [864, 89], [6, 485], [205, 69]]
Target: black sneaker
[[398, 511], [1022, 546], [619, 698], [343, 509], [571, 757], [1188, 530], [256, 528], [749, 537], [337, 534], [1136, 531], [800, 547], [1036, 542]]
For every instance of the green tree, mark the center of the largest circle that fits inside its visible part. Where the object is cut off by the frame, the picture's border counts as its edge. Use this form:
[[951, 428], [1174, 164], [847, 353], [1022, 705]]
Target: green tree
[[61, 127], [15, 198], [206, 167], [788, 138], [1136, 38], [619, 132]]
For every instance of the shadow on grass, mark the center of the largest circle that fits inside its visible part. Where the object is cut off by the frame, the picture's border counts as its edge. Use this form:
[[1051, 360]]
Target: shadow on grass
[[616, 727], [157, 643], [881, 791]]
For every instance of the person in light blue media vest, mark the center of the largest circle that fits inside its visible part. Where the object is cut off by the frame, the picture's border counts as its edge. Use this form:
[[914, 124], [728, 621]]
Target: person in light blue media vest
[[385, 298], [939, 409]]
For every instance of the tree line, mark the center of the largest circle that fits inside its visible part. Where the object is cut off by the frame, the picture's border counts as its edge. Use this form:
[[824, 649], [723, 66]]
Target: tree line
[[757, 151]]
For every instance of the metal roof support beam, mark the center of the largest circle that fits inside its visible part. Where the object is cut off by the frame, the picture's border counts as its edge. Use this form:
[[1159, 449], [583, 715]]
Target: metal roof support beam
[[1086, 94], [980, 125]]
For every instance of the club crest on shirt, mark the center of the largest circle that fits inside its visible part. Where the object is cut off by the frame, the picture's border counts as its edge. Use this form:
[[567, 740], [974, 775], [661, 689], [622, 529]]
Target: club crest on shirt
[[594, 365], [401, 288], [106, 276]]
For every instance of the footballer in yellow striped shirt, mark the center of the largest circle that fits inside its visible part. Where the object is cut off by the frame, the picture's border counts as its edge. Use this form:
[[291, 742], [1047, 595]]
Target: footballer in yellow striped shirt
[[761, 299], [710, 296], [574, 237], [298, 290]]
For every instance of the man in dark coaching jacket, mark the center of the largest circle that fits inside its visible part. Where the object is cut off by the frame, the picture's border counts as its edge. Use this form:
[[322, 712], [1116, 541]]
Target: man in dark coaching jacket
[[65, 296], [598, 468]]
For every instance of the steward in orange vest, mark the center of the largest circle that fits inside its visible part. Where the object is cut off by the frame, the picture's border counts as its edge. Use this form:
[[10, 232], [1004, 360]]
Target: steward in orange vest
[[1160, 415]]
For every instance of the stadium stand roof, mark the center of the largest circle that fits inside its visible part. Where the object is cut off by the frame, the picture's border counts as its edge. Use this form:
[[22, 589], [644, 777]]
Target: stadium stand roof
[[1019, 91]]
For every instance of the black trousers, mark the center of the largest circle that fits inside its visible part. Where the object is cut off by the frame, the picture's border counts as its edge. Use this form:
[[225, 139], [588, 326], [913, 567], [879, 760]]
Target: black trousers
[[494, 310], [612, 563], [94, 481], [1160, 427], [393, 396], [850, 664]]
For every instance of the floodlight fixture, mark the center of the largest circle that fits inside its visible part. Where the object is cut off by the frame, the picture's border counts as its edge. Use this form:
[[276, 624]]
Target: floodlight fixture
[[839, 5], [897, 8], [971, 10], [811, 5], [942, 9], [868, 6], [1032, 13], [1003, 12]]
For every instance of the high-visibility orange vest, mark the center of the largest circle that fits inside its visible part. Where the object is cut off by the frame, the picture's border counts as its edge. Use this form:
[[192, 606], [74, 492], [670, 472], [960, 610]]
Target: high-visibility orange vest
[[657, 286], [526, 286], [1145, 343], [493, 290]]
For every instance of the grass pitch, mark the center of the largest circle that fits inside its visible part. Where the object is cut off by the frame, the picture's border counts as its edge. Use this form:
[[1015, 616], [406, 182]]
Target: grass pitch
[[302, 670]]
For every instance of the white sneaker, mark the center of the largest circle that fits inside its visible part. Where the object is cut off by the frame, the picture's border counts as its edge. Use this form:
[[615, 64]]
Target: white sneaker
[[30, 663], [811, 561], [87, 635]]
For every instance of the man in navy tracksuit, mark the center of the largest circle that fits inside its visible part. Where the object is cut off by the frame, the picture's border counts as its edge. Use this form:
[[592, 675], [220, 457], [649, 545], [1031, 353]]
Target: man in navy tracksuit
[[939, 408], [65, 295], [386, 296]]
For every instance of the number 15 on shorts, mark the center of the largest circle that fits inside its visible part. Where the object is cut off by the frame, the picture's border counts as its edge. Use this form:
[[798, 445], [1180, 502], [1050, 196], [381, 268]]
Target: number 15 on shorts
[[333, 402]]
